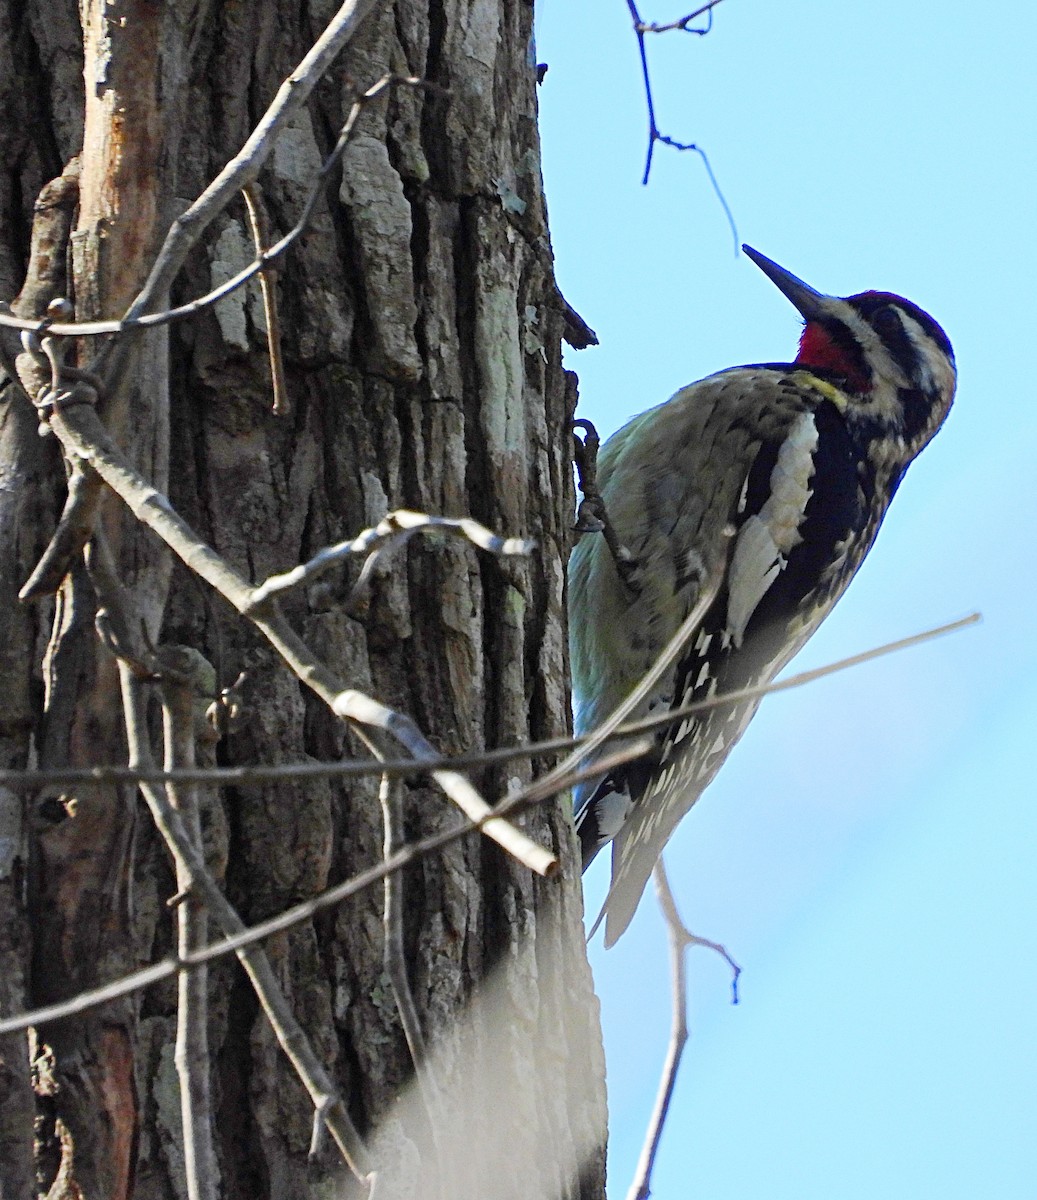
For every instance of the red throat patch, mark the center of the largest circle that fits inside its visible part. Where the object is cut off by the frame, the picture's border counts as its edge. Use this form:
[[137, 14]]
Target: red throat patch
[[817, 348]]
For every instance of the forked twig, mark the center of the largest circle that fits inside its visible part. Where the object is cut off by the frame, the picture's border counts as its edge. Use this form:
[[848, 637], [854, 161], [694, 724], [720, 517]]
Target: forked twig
[[683, 24], [654, 134], [392, 531], [82, 434], [194, 880], [681, 938], [411, 852]]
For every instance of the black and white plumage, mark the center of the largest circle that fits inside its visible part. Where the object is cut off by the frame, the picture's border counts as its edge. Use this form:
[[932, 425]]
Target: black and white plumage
[[768, 484]]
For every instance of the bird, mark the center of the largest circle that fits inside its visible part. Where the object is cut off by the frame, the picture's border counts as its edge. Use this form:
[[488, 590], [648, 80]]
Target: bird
[[752, 496]]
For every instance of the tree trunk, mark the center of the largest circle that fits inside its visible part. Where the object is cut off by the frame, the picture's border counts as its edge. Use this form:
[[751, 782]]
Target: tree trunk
[[421, 331]]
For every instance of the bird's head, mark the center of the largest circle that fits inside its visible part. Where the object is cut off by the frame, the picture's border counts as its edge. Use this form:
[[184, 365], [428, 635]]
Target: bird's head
[[896, 363]]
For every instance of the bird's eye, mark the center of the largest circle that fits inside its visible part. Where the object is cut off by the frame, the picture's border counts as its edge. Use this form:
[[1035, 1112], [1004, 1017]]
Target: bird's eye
[[886, 320]]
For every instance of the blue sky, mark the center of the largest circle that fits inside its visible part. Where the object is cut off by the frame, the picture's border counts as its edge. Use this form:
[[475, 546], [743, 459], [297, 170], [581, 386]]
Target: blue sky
[[868, 852]]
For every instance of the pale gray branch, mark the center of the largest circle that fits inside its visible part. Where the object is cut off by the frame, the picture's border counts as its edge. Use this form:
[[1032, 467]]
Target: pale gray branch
[[259, 224], [245, 166], [82, 434], [183, 840], [514, 802], [394, 960], [391, 531], [241, 776], [669, 655], [191, 866], [680, 939], [191, 1050], [356, 706]]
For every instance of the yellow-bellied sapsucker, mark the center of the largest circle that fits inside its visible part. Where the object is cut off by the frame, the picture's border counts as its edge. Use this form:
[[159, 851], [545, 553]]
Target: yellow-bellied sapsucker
[[766, 484]]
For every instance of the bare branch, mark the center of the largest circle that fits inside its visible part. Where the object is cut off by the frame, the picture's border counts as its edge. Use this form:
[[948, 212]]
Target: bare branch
[[82, 434], [57, 328], [392, 531], [278, 1012], [654, 133], [535, 793], [367, 711], [394, 960], [682, 24], [670, 653], [680, 939], [561, 775], [191, 1051], [241, 776], [194, 880], [804, 677]]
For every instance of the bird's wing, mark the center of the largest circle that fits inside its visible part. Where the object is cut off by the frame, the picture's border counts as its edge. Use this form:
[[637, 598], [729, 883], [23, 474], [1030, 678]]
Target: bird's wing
[[768, 606]]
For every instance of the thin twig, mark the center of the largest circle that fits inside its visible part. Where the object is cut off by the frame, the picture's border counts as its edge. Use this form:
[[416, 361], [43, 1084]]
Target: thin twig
[[81, 433], [413, 852], [680, 939], [683, 24], [243, 776], [394, 960], [278, 1012], [654, 133], [365, 710], [393, 529], [259, 224], [191, 1052], [194, 877], [146, 320], [673, 649]]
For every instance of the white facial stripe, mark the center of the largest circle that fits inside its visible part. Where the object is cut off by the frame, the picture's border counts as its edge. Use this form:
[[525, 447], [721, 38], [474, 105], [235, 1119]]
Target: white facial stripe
[[935, 372], [876, 355]]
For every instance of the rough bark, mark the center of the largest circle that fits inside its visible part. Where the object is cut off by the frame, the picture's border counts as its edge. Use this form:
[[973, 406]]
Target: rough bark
[[421, 340]]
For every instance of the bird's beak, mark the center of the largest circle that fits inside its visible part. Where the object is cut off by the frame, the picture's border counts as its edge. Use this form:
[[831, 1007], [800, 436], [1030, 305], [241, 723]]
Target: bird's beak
[[810, 303]]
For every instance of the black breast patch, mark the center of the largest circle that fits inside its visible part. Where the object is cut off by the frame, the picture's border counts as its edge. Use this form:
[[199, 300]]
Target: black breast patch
[[837, 509]]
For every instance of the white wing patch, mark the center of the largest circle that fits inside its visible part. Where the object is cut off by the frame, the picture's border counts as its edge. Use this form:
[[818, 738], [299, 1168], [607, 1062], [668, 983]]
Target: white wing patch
[[610, 811], [767, 537]]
